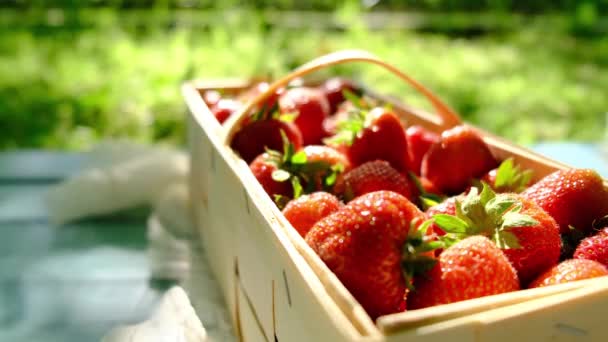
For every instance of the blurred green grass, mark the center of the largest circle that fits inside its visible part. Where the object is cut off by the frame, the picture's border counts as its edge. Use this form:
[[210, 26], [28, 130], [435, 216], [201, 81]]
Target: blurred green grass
[[71, 78]]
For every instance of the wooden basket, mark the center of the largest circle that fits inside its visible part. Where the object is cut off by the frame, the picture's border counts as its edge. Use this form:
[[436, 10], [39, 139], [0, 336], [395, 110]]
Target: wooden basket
[[278, 289]]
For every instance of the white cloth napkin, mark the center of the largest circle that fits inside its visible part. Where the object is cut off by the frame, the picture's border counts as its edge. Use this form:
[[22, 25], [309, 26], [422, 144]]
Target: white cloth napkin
[[173, 321], [122, 175], [117, 178]]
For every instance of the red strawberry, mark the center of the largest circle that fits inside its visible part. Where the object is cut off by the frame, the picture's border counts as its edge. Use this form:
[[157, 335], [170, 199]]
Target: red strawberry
[[224, 108], [460, 156], [263, 168], [574, 197], [471, 268], [362, 244], [594, 248], [305, 211], [374, 176], [335, 165], [419, 141], [508, 177], [311, 169], [570, 270], [331, 124], [447, 207], [429, 187], [318, 153], [254, 138], [529, 236], [334, 91], [311, 107], [373, 135], [270, 104]]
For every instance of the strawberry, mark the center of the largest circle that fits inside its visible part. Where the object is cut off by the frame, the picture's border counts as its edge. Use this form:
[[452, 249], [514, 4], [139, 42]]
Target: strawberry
[[269, 106], [334, 89], [447, 207], [594, 248], [224, 108], [362, 244], [257, 136], [374, 176], [373, 135], [306, 210], [310, 107], [263, 168], [508, 177], [292, 173], [574, 197], [471, 268], [568, 271], [460, 156], [336, 165], [351, 108], [529, 236], [419, 141]]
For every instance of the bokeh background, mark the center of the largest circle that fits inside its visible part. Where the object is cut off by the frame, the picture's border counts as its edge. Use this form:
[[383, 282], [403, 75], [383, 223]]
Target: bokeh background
[[75, 72]]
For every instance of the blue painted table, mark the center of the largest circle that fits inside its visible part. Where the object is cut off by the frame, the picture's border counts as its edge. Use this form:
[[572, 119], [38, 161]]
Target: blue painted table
[[75, 282], [68, 283]]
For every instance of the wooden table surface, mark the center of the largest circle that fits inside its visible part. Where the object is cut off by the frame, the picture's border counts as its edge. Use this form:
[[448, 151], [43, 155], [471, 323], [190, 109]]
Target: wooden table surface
[[76, 282]]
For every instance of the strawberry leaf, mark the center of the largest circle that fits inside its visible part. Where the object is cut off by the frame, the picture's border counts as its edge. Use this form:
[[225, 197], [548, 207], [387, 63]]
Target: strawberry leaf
[[353, 98], [504, 173], [330, 180], [288, 117], [450, 224], [505, 240], [448, 240], [423, 228], [486, 193], [297, 187], [510, 177], [516, 220], [348, 129], [427, 199], [281, 201], [500, 205], [415, 257], [427, 202], [280, 175], [332, 177], [299, 158], [460, 214], [599, 223]]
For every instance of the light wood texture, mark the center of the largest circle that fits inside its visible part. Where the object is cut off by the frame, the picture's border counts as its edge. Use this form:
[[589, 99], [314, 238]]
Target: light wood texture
[[290, 293]]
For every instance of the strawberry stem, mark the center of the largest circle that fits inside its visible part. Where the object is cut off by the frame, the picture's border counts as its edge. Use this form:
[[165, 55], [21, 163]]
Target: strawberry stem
[[488, 214]]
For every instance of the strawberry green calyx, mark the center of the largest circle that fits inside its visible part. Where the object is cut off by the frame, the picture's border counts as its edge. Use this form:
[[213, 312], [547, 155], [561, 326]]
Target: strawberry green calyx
[[417, 257], [427, 199], [293, 166], [598, 224], [511, 178], [348, 129], [356, 121], [488, 214]]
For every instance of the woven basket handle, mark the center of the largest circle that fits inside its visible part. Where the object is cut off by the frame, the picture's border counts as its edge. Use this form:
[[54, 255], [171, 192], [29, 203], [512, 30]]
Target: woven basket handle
[[449, 118]]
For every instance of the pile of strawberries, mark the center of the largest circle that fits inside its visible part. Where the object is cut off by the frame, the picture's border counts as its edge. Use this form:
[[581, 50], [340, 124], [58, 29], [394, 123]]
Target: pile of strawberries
[[408, 218]]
